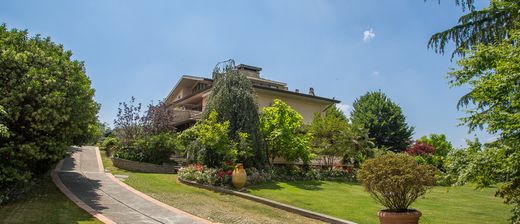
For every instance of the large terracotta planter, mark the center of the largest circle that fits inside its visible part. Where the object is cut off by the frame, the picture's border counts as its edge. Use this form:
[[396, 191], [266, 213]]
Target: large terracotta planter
[[239, 176], [409, 217]]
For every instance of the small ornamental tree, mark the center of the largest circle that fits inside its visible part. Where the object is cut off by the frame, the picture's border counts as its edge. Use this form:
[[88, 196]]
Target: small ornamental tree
[[281, 128], [333, 138], [420, 148], [233, 100], [159, 119], [384, 120], [128, 127], [439, 142], [396, 180]]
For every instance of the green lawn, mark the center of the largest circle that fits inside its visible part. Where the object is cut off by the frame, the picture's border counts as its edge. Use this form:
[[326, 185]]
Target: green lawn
[[349, 201], [213, 206], [44, 204]]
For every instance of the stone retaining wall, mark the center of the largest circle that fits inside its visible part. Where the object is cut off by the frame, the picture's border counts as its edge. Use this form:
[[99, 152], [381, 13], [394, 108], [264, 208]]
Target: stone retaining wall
[[143, 167]]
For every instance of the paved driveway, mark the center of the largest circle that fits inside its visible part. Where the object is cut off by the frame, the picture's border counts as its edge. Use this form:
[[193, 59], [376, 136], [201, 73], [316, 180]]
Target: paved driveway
[[82, 179]]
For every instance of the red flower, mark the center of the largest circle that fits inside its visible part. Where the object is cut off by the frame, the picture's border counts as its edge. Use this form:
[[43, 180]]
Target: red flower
[[229, 172], [198, 167]]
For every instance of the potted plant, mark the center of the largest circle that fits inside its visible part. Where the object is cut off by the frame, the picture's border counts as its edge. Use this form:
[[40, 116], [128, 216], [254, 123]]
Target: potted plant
[[396, 181]]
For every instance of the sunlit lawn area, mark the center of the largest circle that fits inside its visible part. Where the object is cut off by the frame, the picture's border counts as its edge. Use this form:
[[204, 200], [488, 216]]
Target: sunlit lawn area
[[214, 206], [349, 201], [44, 204], [339, 199]]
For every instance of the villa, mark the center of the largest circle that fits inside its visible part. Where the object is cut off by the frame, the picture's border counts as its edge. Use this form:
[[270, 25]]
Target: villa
[[190, 95]]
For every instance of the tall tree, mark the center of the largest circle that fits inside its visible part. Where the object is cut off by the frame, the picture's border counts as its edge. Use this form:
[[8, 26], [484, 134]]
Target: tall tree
[[384, 120], [485, 26], [49, 105], [493, 103], [233, 100]]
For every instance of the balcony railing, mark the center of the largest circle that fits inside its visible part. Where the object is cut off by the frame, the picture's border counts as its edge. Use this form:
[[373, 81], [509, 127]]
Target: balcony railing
[[186, 116]]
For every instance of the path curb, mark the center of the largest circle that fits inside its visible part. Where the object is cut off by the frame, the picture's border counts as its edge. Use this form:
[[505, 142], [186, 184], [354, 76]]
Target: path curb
[[275, 204], [57, 181]]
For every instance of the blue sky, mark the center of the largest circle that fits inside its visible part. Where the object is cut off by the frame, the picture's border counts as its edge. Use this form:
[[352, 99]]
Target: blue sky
[[341, 48]]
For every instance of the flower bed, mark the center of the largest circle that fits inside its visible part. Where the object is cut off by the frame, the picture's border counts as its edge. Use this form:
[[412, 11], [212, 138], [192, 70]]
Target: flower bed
[[222, 176]]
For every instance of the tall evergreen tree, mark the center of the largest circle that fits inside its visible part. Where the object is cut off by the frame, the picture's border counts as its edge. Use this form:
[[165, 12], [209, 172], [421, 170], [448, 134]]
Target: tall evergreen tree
[[384, 120], [232, 98], [485, 26]]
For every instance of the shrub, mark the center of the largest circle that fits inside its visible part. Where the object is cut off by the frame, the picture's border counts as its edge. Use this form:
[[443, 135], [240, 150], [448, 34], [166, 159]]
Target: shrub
[[48, 103], [155, 149], [207, 142], [396, 180], [110, 145], [158, 148]]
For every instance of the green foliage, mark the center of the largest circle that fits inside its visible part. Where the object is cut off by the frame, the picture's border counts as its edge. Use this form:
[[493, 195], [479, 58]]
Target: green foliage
[[207, 142], [4, 132], [493, 74], [482, 164], [233, 99], [332, 137], [396, 180], [156, 149], [439, 142], [281, 127], [110, 144], [485, 26], [48, 102], [384, 120]]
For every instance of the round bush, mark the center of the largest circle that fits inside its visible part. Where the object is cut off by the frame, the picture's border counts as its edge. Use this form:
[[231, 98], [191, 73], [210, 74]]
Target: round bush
[[396, 180]]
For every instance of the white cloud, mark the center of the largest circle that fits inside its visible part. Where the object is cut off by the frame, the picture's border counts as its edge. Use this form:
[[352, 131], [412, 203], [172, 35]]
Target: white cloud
[[368, 35], [345, 108], [375, 73]]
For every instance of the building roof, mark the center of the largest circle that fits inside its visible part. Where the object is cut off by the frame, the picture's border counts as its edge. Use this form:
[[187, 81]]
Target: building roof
[[198, 78]]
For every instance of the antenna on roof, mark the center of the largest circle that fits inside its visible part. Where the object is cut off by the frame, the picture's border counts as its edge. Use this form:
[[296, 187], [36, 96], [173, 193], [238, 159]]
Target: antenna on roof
[[222, 67]]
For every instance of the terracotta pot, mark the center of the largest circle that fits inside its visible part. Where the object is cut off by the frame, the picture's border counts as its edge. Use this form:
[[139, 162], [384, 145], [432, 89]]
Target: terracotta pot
[[409, 217], [239, 176]]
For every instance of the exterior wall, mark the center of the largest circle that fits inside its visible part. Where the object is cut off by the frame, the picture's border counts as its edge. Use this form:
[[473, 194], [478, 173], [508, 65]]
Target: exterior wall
[[305, 107]]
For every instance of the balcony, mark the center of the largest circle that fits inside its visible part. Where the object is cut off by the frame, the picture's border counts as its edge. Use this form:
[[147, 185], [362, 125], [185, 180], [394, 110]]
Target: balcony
[[182, 117]]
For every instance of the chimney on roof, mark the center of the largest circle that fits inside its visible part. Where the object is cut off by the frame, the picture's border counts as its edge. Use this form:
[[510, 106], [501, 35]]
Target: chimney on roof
[[311, 91], [249, 70]]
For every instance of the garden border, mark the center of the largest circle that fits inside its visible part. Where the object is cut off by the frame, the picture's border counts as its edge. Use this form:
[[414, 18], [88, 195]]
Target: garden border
[[143, 167], [285, 207]]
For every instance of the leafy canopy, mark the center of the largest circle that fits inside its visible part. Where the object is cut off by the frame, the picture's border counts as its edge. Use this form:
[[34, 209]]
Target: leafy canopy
[[384, 120], [208, 142], [48, 105], [485, 26], [281, 127], [332, 137], [493, 103]]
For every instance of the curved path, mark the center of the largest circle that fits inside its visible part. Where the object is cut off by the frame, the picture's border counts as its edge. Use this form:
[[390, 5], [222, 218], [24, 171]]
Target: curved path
[[82, 178]]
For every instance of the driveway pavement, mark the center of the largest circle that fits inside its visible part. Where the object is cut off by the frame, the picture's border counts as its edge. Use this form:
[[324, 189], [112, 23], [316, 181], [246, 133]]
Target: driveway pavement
[[82, 178]]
